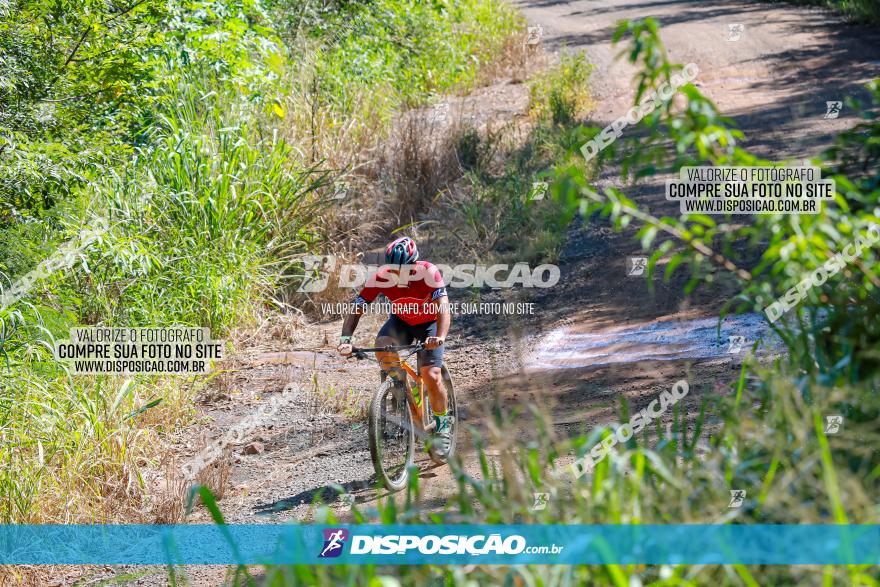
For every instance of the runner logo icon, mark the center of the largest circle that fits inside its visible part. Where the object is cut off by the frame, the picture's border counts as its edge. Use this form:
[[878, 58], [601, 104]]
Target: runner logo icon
[[334, 540]]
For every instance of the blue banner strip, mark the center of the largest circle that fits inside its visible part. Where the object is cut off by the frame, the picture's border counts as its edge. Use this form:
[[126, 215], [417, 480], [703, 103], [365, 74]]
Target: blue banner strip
[[440, 544]]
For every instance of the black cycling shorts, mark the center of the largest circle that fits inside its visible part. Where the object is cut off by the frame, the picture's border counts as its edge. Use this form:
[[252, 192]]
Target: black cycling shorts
[[404, 333]]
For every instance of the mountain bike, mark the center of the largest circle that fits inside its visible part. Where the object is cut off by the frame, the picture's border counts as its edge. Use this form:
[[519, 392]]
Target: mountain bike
[[399, 413]]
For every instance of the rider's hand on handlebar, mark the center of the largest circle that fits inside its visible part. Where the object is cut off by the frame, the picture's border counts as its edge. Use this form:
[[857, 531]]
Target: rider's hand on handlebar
[[432, 342]]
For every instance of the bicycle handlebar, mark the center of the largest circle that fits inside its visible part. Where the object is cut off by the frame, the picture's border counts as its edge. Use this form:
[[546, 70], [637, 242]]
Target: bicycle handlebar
[[389, 348], [360, 353]]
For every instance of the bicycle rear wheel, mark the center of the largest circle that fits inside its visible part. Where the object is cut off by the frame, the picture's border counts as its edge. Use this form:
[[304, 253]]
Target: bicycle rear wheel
[[453, 413], [392, 441]]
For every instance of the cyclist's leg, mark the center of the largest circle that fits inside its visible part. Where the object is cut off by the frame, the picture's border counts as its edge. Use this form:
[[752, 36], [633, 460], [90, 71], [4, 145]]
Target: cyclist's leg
[[436, 391], [393, 332], [430, 362]]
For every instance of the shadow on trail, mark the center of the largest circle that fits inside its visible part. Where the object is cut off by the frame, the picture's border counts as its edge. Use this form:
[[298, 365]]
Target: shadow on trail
[[368, 490], [326, 494]]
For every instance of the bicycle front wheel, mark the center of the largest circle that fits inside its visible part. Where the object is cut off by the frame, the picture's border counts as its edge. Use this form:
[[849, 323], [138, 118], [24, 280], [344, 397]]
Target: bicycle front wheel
[[392, 440]]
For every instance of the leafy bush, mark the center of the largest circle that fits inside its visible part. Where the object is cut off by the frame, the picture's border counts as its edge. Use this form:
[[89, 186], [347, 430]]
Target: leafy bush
[[193, 216], [80, 82], [562, 95], [71, 80], [186, 148], [830, 334]]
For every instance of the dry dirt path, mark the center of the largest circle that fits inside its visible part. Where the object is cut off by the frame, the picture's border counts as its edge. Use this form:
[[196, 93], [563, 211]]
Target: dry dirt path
[[599, 334], [774, 81]]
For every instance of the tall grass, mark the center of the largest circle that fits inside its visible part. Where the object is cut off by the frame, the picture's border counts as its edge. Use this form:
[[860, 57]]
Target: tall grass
[[562, 94], [364, 62], [764, 437], [200, 222], [222, 193], [217, 200]]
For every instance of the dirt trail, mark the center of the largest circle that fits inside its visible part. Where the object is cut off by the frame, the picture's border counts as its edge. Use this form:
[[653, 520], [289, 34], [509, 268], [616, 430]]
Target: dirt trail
[[597, 335], [774, 81]]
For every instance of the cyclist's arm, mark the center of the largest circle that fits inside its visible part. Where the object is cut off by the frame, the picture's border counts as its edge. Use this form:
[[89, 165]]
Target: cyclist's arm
[[351, 321], [345, 347], [444, 316]]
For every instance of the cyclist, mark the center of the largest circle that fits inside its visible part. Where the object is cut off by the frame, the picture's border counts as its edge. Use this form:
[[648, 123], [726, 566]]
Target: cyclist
[[419, 311]]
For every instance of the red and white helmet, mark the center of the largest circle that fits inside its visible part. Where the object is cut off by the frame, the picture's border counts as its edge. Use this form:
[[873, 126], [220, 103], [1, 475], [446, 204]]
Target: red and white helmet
[[403, 251]]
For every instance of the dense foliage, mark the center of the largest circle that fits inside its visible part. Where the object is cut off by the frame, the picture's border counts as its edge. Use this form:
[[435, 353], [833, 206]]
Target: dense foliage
[[184, 130], [831, 333]]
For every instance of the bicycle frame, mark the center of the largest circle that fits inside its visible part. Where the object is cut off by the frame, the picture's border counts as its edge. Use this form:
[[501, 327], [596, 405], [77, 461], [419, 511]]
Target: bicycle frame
[[421, 418]]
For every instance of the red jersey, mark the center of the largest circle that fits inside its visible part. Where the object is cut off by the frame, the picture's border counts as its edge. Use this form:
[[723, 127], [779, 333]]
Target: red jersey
[[411, 293]]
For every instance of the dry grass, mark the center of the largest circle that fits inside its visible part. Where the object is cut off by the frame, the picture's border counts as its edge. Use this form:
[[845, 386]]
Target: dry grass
[[516, 61], [418, 161], [322, 135], [168, 499], [426, 153], [391, 170], [215, 476], [26, 575], [349, 403]]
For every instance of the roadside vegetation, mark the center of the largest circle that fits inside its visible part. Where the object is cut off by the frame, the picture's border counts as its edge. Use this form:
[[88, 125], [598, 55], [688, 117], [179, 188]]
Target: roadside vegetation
[[859, 10], [208, 134], [500, 205], [211, 135], [766, 435]]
